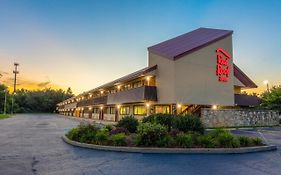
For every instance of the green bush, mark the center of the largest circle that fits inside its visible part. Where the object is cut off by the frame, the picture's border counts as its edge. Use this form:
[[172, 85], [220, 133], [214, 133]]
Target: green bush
[[185, 140], [129, 122], [83, 133], [118, 139], [257, 141], [245, 141], [227, 140], [163, 119], [73, 134], [166, 141], [206, 141], [149, 119], [149, 134], [223, 138], [102, 136], [109, 127], [188, 123]]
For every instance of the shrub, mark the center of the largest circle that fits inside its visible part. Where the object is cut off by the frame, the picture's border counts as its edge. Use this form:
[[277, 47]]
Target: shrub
[[73, 134], [184, 140], [118, 139], [166, 141], [227, 140], [150, 133], [188, 123], [245, 141], [149, 119], [109, 127], [102, 136], [257, 141], [224, 138], [163, 119], [129, 122], [206, 141], [83, 133], [174, 132], [119, 130], [216, 132]]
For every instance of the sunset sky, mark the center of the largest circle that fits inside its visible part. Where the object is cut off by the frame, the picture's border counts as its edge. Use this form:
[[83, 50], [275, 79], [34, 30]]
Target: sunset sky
[[83, 44]]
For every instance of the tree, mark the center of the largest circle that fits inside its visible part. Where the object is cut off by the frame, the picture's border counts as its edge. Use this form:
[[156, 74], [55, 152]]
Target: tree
[[272, 99], [39, 100]]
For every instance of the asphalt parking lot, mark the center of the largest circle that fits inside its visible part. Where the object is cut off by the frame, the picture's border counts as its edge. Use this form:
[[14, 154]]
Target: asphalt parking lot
[[31, 144]]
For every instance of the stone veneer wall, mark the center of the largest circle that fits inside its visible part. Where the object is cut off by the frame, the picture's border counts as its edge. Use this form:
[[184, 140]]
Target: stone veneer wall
[[238, 117]]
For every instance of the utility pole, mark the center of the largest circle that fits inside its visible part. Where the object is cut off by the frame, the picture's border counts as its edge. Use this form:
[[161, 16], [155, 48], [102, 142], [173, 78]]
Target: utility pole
[[15, 84]]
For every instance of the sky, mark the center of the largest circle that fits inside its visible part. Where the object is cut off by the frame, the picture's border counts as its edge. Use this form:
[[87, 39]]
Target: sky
[[84, 44]]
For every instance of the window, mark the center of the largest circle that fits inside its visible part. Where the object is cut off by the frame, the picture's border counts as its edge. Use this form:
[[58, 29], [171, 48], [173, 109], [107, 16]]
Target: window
[[124, 110], [164, 109], [139, 110], [96, 110], [110, 110]]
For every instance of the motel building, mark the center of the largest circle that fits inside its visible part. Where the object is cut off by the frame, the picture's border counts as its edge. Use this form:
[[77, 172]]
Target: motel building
[[184, 74]]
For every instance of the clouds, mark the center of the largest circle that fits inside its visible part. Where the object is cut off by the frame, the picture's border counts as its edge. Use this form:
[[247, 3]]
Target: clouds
[[30, 84]]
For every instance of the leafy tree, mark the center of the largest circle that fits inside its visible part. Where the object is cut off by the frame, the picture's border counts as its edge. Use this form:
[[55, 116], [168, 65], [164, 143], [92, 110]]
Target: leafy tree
[[272, 99]]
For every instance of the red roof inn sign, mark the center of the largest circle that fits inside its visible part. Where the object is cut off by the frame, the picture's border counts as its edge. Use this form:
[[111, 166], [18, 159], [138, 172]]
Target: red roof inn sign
[[223, 67]]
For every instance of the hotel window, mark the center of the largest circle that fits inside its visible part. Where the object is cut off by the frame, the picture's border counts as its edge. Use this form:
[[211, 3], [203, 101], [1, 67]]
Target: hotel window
[[124, 110], [96, 110], [164, 109], [137, 84], [139, 110], [110, 110]]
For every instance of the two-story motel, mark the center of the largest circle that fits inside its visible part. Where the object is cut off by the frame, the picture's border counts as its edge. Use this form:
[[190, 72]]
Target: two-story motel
[[184, 74]]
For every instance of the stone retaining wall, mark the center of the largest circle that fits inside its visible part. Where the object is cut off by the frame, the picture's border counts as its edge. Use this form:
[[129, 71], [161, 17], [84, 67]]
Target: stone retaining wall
[[238, 117]]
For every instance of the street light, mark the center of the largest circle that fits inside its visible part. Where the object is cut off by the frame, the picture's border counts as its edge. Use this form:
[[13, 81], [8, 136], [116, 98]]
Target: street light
[[266, 82]]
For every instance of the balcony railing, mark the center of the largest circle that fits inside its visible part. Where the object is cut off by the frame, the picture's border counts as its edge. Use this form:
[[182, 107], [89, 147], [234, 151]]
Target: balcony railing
[[93, 101], [140, 94]]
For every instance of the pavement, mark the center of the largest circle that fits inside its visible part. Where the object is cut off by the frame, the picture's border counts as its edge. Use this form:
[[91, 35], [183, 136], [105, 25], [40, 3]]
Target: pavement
[[31, 144]]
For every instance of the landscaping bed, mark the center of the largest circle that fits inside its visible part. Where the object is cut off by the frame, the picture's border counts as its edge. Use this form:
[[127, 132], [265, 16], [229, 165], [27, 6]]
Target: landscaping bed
[[160, 131]]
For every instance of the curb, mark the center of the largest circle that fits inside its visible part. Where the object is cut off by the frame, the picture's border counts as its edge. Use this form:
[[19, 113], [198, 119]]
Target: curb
[[241, 150]]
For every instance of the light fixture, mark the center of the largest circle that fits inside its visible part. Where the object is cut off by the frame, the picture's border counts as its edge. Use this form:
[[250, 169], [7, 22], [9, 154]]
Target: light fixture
[[148, 78], [119, 87], [101, 107], [179, 105], [147, 104], [214, 107], [101, 92], [265, 82], [118, 106], [90, 108]]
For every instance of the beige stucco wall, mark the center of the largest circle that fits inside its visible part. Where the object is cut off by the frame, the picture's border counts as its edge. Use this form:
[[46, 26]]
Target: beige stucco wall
[[192, 79], [164, 77]]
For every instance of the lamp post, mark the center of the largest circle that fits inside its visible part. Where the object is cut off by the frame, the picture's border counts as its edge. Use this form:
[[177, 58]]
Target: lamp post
[[266, 82]]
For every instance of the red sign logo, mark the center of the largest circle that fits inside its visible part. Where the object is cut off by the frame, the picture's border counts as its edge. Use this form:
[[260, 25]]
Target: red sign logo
[[223, 67]]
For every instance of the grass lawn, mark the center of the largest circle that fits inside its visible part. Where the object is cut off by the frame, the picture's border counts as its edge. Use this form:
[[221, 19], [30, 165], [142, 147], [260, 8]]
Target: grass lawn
[[3, 116]]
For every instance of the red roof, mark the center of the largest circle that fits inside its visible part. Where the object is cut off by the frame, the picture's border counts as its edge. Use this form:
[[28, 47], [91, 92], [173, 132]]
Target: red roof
[[189, 42]]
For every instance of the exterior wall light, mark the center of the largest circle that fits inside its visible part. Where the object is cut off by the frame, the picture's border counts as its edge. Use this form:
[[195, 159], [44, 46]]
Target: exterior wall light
[[90, 108], [179, 105], [147, 105], [118, 106], [101, 92], [101, 107], [214, 107], [119, 87]]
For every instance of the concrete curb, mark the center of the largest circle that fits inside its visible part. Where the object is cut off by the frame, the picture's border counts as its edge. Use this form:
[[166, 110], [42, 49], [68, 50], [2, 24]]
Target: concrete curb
[[172, 150]]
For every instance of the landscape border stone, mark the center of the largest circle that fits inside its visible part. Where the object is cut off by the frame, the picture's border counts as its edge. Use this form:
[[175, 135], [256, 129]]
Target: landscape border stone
[[240, 150]]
